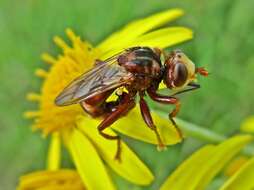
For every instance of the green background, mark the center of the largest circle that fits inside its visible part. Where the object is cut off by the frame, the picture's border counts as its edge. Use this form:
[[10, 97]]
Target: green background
[[224, 44]]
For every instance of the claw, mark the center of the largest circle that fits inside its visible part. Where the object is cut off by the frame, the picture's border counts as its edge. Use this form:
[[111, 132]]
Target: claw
[[118, 152], [117, 157], [161, 147]]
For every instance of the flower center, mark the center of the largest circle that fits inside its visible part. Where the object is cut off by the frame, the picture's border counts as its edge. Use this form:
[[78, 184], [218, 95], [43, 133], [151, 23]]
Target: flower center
[[74, 61]]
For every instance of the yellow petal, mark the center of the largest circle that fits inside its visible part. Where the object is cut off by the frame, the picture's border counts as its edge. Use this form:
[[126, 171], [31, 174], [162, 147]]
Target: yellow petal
[[134, 126], [160, 38], [60, 43], [88, 162], [48, 58], [248, 125], [182, 176], [139, 27], [130, 167], [198, 170], [33, 97], [54, 153], [243, 179], [41, 73], [223, 153], [235, 165], [32, 114], [164, 37], [51, 180]]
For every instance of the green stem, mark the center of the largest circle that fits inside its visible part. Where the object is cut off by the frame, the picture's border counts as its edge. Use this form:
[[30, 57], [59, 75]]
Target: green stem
[[199, 132], [202, 133]]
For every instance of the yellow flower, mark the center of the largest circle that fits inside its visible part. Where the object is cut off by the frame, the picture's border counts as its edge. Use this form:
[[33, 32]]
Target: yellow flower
[[78, 131], [235, 165], [197, 171], [63, 179], [242, 179]]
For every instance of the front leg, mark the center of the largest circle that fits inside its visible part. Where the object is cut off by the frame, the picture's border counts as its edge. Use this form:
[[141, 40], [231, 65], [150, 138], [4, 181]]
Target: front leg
[[193, 86], [167, 100], [126, 103]]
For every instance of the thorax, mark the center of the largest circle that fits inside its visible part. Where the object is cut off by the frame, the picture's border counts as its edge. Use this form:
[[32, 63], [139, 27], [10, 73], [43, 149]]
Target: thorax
[[144, 64]]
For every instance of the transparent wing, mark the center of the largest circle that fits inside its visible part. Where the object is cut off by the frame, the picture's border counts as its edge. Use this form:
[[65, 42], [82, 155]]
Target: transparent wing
[[105, 76]]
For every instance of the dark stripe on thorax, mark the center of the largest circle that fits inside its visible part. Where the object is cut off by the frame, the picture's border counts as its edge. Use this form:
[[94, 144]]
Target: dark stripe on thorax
[[147, 52], [143, 61]]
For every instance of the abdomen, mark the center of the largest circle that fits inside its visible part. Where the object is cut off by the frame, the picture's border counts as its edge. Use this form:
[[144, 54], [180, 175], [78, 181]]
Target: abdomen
[[95, 106]]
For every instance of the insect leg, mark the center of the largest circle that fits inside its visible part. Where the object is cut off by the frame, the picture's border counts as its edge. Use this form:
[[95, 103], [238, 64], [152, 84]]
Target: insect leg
[[167, 100], [149, 121], [126, 103], [193, 86]]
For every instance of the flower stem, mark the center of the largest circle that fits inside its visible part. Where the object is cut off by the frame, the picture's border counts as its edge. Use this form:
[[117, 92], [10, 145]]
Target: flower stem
[[202, 133], [199, 132]]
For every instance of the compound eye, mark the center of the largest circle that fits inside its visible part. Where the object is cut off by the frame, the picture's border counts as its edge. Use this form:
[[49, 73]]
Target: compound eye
[[180, 74]]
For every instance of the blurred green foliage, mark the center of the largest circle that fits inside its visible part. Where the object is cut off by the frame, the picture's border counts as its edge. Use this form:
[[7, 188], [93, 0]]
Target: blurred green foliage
[[224, 44]]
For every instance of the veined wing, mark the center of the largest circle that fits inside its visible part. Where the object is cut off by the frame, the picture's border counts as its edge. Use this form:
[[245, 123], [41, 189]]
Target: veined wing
[[105, 76]]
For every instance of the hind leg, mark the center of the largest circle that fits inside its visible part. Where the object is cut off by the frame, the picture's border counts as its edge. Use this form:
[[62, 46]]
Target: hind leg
[[126, 103]]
